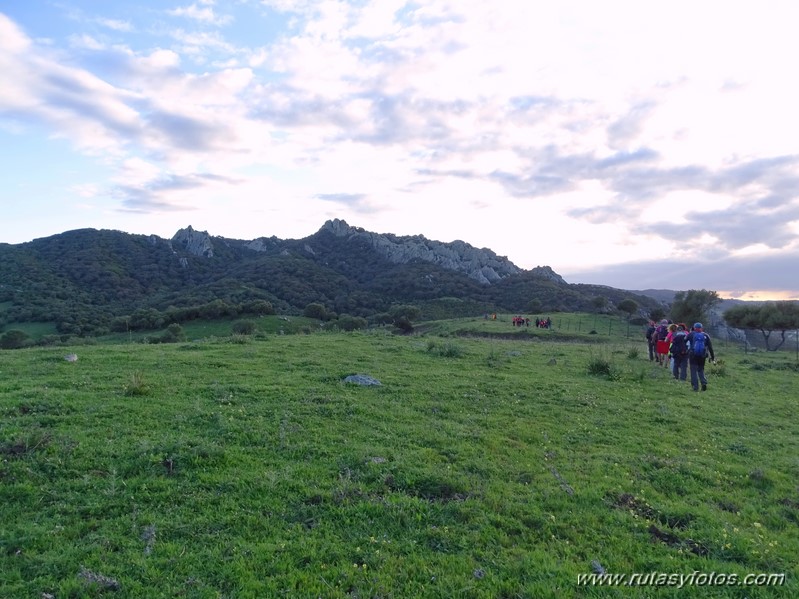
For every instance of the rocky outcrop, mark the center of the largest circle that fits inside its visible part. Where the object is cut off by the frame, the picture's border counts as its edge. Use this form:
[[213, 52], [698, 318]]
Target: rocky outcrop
[[483, 265], [545, 272], [197, 243], [263, 244]]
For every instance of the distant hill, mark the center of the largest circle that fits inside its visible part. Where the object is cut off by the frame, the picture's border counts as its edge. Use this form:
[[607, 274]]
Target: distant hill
[[88, 281]]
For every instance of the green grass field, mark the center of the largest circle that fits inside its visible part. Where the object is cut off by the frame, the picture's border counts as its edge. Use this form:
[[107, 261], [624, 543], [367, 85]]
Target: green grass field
[[481, 467]]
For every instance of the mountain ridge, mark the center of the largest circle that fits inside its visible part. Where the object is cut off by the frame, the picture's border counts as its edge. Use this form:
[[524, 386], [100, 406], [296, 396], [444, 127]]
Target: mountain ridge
[[87, 280]]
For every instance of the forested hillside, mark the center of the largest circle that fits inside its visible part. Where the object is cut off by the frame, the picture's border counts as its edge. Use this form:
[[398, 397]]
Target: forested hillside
[[90, 282]]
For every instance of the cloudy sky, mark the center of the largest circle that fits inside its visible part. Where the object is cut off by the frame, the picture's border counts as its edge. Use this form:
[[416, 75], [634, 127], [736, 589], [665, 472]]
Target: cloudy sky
[[633, 144]]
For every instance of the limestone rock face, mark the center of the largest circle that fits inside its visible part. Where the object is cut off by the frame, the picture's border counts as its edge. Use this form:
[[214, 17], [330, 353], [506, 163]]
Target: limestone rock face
[[263, 244], [197, 243], [547, 273], [482, 265]]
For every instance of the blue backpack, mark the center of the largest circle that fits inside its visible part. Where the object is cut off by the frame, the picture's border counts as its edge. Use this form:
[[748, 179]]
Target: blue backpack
[[698, 345]]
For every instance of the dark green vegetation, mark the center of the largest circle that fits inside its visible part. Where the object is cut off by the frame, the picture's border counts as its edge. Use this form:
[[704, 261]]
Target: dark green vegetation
[[481, 467], [767, 318], [89, 282]]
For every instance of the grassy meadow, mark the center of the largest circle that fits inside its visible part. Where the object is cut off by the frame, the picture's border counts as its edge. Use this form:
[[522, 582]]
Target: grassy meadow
[[233, 466]]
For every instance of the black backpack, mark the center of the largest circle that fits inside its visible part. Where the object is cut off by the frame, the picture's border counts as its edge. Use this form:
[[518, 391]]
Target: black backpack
[[679, 343]]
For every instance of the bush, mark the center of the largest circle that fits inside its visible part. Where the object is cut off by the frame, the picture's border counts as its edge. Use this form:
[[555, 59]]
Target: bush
[[346, 322], [244, 327], [445, 350], [173, 334], [315, 310], [14, 339], [601, 366], [137, 386], [718, 369], [404, 325]]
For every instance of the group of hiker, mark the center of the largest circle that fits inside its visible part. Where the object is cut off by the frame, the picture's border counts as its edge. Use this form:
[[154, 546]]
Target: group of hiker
[[673, 345], [540, 323]]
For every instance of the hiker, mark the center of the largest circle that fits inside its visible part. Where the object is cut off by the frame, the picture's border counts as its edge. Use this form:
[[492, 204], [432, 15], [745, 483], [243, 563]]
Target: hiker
[[679, 352], [661, 345], [650, 339], [699, 347], [672, 328]]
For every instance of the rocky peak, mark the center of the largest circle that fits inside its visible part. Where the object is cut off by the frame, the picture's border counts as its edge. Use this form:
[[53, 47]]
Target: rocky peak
[[340, 228], [197, 243], [482, 265], [545, 272]]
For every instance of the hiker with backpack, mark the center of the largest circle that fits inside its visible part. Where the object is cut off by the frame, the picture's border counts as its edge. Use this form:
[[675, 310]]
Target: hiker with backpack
[[679, 352], [699, 347], [661, 345], [650, 339]]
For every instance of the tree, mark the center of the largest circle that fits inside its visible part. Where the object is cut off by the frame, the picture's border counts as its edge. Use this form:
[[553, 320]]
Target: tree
[[345, 322], [14, 339], [173, 334], [315, 310], [600, 302], [258, 308], [407, 312], [767, 318], [693, 305], [628, 306], [534, 306]]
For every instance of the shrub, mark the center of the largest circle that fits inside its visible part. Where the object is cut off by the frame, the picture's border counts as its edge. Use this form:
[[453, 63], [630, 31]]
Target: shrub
[[315, 310], [346, 322], [136, 386], [14, 339], [404, 325], [445, 350], [718, 369], [601, 366], [173, 334], [244, 327]]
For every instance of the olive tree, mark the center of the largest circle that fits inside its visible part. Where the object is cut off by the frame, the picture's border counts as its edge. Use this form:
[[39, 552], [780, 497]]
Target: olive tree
[[767, 318], [693, 305]]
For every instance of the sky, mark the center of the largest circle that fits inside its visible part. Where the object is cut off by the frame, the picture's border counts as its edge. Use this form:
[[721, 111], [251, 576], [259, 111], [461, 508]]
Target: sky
[[632, 144]]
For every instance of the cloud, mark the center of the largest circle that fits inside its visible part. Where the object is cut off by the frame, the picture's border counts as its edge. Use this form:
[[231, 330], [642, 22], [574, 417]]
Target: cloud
[[204, 14], [766, 272], [187, 133], [628, 128], [358, 202], [344, 198], [201, 43], [634, 141], [153, 195], [116, 24]]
